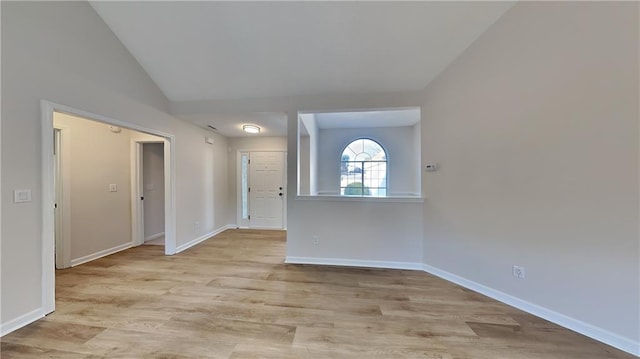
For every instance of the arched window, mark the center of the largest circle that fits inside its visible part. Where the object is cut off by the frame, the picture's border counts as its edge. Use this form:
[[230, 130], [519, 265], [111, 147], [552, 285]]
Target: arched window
[[363, 169]]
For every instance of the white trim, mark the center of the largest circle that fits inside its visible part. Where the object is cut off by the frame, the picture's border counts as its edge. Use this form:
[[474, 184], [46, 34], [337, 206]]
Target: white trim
[[265, 228], [170, 212], [243, 223], [100, 254], [62, 196], [137, 189], [336, 198], [137, 208], [21, 321], [203, 238], [65, 138], [154, 236], [285, 190], [353, 263], [48, 216], [625, 344], [617, 341]]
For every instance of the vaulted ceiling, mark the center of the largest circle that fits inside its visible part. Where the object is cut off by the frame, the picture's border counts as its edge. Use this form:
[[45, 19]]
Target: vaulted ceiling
[[200, 51]]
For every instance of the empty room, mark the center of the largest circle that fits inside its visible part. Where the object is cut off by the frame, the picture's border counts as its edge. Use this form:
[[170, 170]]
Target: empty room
[[431, 179]]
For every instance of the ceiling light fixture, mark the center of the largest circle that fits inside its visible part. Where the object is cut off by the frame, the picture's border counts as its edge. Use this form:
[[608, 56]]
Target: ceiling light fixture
[[251, 129]]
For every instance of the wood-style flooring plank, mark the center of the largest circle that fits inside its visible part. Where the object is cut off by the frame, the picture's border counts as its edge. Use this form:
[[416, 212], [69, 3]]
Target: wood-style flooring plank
[[232, 297]]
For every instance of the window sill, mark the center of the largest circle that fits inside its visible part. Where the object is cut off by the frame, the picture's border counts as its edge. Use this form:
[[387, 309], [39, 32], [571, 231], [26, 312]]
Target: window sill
[[388, 199]]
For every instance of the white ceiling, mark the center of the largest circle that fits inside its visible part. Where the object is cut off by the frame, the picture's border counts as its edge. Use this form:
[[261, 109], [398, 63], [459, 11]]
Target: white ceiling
[[199, 51], [361, 119], [230, 125]]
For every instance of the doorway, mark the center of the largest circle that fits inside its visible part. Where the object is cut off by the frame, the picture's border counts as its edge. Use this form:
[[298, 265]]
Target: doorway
[[150, 191], [262, 194], [54, 197]]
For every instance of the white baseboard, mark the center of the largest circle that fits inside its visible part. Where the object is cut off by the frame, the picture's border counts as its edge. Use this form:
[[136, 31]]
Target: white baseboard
[[154, 236], [625, 344], [203, 238], [591, 331], [353, 263], [21, 321], [103, 253]]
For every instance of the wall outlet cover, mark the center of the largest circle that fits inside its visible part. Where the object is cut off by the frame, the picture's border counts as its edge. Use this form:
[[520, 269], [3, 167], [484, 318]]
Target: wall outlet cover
[[21, 195], [518, 272]]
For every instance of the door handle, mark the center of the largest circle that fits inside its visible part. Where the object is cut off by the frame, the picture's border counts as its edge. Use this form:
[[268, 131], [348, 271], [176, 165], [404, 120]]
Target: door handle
[[280, 194], [281, 188]]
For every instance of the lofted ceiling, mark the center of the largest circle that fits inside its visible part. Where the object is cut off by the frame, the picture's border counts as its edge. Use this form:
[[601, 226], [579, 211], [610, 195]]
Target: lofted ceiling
[[202, 51]]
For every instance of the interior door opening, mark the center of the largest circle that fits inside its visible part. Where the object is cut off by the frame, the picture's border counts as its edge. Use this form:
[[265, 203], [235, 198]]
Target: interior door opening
[[96, 177], [60, 162], [151, 187]]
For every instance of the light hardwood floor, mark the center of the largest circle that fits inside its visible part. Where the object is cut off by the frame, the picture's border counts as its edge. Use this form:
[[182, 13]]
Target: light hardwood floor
[[232, 297]]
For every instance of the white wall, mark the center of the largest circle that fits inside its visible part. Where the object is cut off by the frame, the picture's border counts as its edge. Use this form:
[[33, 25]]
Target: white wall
[[368, 232], [414, 176], [100, 219], [221, 185], [304, 168], [308, 157], [535, 128], [400, 148], [153, 188], [63, 52]]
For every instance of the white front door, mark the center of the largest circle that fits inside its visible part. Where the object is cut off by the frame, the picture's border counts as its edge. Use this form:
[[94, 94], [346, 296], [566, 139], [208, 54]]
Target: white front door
[[266, 190]]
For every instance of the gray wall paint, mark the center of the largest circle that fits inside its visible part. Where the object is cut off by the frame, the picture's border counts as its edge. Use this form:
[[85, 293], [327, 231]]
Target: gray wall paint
[[536, 130], [304, 152], [63, 52], [308, 158], [153, 188], [221, 183], [100, 219]]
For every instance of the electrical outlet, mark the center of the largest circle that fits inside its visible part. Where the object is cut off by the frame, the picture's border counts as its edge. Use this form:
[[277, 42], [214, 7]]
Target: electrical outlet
[[518, 272], [196, 225], [315, 240]]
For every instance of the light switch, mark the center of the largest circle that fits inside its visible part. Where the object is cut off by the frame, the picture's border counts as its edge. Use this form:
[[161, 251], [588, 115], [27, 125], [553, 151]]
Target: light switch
[[21, 195], [113, 187]]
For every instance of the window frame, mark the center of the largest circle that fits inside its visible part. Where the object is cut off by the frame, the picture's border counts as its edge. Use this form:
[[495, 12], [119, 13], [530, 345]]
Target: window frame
[[386, 162]]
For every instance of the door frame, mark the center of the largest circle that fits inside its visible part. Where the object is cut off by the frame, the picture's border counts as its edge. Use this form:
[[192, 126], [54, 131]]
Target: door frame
[[242, 223], [47, 110], [137, 189], [62, 196]]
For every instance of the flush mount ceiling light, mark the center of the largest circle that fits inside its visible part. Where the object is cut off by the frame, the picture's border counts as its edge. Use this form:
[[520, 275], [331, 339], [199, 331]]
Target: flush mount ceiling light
[[251, 129]]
